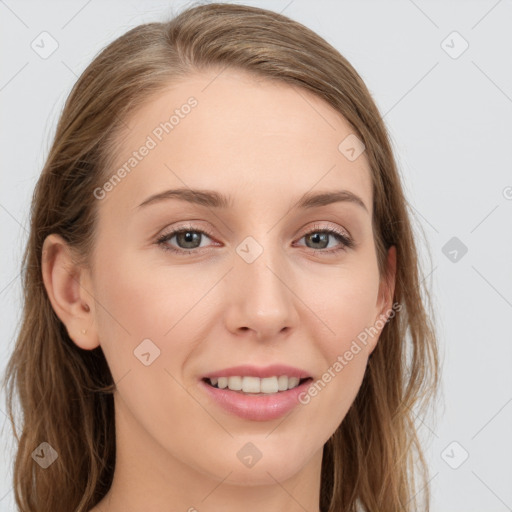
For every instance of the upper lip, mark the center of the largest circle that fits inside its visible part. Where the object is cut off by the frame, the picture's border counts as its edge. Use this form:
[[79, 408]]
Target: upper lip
[[247, 370]]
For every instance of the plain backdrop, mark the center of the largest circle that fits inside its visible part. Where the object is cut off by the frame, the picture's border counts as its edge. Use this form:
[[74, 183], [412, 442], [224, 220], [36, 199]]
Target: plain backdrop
[[441, 74]]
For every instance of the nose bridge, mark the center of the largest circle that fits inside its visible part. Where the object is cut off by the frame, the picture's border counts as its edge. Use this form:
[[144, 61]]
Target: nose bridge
[[264, 300]]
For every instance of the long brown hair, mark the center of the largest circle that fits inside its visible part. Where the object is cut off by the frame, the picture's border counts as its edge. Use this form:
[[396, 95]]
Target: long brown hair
[[66, 393]]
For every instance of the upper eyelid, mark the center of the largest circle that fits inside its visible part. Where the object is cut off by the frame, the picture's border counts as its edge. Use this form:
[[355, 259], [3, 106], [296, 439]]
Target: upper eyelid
[[316, 227], [191, 227]]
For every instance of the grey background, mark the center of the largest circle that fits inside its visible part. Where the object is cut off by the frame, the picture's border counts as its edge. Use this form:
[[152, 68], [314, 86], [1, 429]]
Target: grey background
[[450, 122]]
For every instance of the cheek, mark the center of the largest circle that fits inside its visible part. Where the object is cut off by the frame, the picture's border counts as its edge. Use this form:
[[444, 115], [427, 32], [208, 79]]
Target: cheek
[[137, 302], [145, 310], [350, 314], [347, 305], [354, 310]]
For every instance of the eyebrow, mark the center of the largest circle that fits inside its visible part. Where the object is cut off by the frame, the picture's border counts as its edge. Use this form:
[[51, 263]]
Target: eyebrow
[[213, 199]]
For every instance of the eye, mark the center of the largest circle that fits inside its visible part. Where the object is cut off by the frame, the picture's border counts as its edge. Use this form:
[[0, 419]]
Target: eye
[[188, 239], [320, 236]]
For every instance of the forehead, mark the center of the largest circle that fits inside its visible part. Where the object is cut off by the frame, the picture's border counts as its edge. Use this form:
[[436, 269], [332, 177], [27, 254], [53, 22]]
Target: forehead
[[233, 132]]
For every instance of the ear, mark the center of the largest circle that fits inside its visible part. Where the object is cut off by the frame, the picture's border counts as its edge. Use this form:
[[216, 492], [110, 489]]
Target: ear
[[387, 283], [66, 285], [385, 296]]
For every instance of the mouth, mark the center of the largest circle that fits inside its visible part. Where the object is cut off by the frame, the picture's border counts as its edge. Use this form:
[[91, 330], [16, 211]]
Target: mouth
[[256, 393], [256, 386]]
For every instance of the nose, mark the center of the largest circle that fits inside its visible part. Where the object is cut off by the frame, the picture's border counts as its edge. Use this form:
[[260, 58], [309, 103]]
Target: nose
[[260, 298]]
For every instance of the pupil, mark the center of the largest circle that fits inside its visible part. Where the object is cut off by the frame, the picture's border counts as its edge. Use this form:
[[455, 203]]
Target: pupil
[[189, 237], [317, 236]]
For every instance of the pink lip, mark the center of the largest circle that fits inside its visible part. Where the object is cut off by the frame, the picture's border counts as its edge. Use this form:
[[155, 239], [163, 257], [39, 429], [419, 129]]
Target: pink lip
[[260, 407], [259, 371]]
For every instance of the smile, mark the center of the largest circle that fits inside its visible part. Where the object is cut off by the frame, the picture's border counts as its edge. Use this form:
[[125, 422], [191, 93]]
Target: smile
[[256, 385]]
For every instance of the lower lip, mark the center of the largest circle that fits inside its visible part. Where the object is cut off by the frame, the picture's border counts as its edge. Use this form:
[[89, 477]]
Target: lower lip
[[263, 407]]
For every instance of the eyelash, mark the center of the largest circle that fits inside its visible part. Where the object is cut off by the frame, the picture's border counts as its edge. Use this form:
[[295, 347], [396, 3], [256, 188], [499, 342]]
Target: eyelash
[[346, 242]]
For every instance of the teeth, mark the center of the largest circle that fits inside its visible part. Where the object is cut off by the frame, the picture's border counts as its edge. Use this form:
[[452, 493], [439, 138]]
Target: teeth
[[282, 383], [250, 384], [267, 385], [293, 382], [235, 383]]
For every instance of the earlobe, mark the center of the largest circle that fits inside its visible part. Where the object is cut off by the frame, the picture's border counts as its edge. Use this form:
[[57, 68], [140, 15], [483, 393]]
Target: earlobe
[[63, 282]]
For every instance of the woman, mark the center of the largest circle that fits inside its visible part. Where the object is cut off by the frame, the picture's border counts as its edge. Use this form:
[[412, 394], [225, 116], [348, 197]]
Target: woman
[[222, 299]]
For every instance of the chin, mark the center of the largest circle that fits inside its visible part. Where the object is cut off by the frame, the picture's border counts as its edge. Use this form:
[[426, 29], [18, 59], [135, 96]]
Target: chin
[[279, 465], [261, 475]]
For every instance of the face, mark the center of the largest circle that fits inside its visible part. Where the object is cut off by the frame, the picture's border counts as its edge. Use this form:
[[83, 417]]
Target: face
[[256, 277]]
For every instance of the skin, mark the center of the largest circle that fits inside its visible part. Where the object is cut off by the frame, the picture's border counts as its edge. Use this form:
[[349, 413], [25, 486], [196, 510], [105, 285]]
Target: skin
[[265, 144]]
